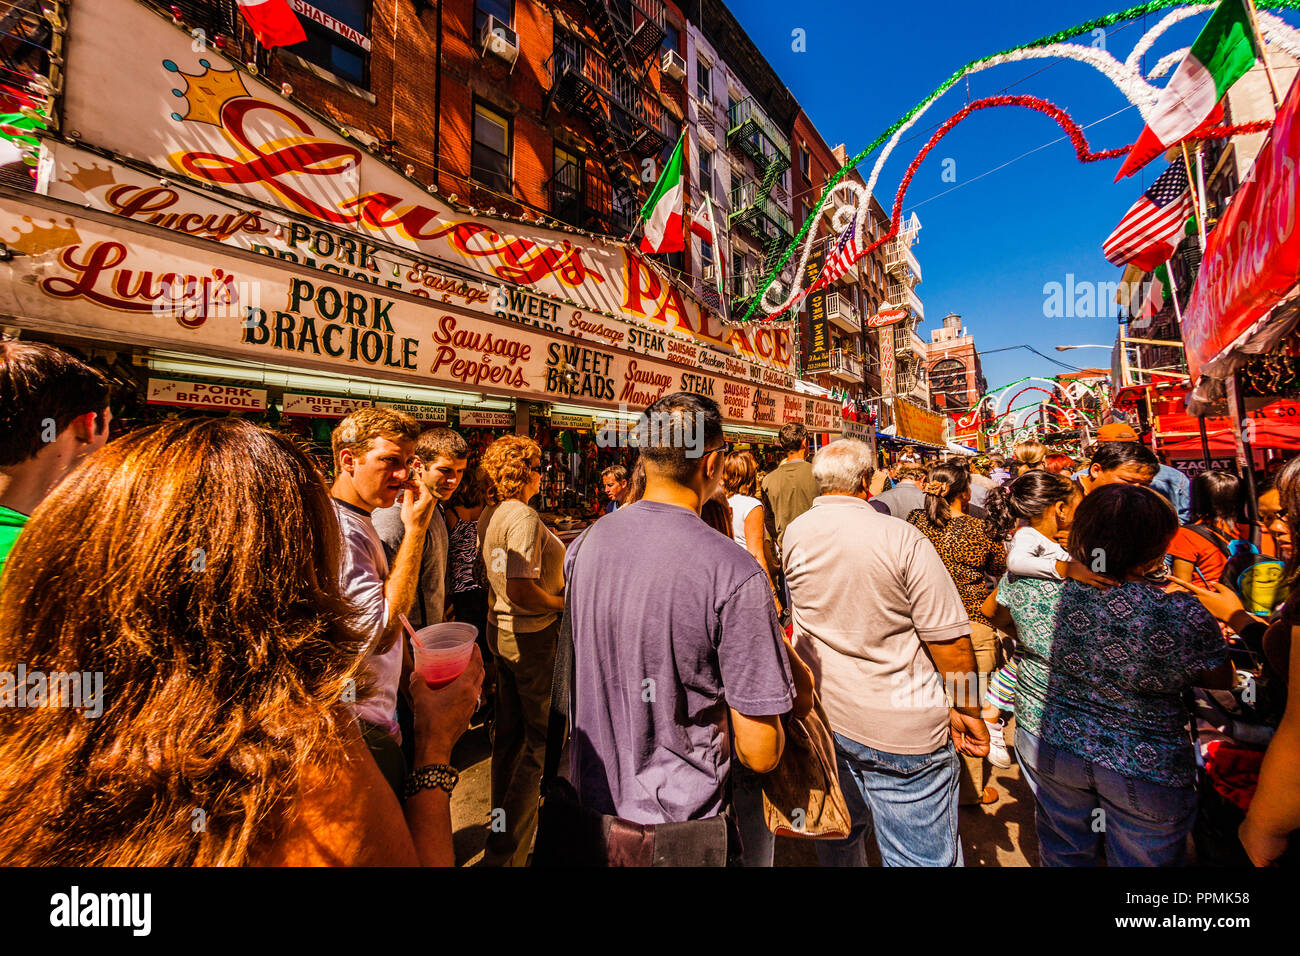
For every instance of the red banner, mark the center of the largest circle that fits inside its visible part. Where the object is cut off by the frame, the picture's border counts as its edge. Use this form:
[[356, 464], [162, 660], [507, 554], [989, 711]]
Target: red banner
[[1252, 258]]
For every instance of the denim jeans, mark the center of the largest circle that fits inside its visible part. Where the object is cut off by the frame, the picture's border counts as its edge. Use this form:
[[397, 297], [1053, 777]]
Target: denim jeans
[[911, 799], [1082, 807], [747, 800]]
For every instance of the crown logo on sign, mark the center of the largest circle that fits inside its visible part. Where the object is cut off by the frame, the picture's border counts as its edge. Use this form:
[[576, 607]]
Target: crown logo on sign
[[44, 238], [87, 179], [206, 93]]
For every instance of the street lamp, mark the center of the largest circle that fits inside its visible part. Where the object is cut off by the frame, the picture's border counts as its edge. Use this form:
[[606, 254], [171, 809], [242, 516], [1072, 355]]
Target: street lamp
[[1066, 348]]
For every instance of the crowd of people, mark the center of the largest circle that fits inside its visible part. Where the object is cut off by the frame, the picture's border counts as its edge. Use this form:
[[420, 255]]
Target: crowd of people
[[249, 617]]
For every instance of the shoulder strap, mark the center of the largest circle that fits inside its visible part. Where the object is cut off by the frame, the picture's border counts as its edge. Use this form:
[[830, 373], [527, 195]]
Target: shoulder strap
[[1211, 536], [561, 680]]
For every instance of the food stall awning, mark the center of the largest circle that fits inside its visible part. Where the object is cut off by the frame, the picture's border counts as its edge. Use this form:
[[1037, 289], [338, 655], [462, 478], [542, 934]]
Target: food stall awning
[[1275, 426], [1267, 434]]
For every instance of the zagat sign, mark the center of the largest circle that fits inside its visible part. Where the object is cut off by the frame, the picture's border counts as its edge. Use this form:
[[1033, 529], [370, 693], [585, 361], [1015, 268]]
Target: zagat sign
[[191, 113]]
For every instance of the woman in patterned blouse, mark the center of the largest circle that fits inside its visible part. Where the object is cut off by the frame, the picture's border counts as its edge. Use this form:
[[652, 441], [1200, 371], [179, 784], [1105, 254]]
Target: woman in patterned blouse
[[973, 552], [1100, 717]]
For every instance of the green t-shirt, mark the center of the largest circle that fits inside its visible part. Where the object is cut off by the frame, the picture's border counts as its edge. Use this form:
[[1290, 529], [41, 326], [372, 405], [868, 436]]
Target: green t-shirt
[[11, 522]]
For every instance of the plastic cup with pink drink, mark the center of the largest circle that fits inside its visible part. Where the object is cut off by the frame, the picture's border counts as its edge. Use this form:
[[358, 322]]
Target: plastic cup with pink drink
[[442, 651]]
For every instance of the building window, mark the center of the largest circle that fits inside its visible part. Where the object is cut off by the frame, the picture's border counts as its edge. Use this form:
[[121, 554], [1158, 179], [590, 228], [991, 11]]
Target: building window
[[503, 10], [343, 52], [566, 188], [706, 257], [490, 156], [805, 163], [672, 38], [703, 78], [948, 385], [672, 131], [706, 171]]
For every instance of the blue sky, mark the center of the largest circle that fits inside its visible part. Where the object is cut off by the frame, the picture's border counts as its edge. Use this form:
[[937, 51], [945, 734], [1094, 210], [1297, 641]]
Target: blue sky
[[988, 246]]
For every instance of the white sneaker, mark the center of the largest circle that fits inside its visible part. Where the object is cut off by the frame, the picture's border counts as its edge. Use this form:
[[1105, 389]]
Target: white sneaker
[[998, 755]]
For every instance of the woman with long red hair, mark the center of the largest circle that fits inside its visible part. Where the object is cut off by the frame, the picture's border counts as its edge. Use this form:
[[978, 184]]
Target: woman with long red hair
[[195, 566]]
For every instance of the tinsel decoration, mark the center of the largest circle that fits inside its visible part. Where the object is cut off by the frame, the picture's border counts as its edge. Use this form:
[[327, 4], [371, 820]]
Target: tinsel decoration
[[1050, 45], [1072, 130]]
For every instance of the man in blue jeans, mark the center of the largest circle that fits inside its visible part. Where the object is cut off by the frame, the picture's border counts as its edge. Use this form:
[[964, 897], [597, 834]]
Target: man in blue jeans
[[878, 619]]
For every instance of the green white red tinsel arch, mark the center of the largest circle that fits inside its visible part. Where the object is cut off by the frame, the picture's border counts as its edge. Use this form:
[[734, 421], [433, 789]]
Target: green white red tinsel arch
[[1007, 422], [851, 201]]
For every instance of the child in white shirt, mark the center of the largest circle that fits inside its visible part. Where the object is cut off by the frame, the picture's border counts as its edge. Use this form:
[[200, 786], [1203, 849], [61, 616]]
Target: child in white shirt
[[1045, 503]]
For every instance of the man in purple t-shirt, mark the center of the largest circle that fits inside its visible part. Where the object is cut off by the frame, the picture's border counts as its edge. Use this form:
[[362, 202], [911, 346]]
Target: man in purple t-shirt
[[678, 656]]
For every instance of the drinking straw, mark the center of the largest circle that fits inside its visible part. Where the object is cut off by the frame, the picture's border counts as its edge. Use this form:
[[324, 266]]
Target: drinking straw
[[407, 624]]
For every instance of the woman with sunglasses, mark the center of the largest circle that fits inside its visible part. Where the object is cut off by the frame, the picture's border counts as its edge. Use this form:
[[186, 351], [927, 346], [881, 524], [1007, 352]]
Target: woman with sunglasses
[[524, 565]]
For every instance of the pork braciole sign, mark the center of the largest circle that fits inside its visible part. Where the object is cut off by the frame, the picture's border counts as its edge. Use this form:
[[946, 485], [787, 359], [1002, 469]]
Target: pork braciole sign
[[93, 275]]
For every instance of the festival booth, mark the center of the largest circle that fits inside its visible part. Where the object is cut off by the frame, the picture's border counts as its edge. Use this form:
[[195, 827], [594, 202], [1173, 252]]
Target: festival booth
[[914, 427], [1244, 303], [220, 248], [1239, 327]]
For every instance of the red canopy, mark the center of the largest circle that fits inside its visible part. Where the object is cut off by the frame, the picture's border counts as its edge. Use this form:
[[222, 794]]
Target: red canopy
[[1276, 425], [1268, 433]]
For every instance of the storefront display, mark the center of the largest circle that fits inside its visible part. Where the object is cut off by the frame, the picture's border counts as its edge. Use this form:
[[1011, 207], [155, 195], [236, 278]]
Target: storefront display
[[270, 283]]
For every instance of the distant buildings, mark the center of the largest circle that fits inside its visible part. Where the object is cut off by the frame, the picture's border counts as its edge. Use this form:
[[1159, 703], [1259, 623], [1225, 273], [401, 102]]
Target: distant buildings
[[955, 375]]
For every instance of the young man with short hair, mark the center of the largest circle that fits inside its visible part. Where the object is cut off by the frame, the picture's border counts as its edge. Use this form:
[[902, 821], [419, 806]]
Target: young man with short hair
[[789, 488], [614, 482], [374, 454], [54, 410], [440, 458], [689, 662]]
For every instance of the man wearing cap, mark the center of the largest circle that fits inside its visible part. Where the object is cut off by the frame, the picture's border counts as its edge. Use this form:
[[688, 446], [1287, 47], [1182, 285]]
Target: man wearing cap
[[1170, 482]]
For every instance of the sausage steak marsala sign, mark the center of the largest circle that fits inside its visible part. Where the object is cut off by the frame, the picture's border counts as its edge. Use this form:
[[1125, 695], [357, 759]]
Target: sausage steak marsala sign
[[94, 274], [196, 116]]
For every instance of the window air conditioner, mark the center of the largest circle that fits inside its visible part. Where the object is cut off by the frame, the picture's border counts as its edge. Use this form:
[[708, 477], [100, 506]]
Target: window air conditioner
[[498, 39], [673, 65], [708, 272]]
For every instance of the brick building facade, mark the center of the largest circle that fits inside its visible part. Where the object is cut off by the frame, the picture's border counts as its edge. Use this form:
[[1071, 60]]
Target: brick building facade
[[953, 367], [545, 109]]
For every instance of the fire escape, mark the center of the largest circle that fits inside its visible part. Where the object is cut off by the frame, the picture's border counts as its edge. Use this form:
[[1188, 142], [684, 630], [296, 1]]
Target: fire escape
[[753, 206], [605, 84], [904, 275]]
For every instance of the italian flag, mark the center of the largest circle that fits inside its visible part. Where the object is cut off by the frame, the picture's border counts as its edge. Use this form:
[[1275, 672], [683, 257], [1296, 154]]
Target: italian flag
[[1155, 300], [662, 212], [1221, 55], [273, 21]]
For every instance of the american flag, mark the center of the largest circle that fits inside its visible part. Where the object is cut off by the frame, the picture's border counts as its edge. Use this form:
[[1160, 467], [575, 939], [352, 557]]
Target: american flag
[[842, 256], [1150, 230]]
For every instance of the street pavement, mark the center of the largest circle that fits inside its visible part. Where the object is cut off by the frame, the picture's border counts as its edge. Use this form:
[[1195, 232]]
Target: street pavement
[[1001, 834]]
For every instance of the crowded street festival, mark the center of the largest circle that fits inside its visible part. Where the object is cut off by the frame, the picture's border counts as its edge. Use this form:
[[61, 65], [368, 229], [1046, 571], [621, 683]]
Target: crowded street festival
[[501, 433]]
